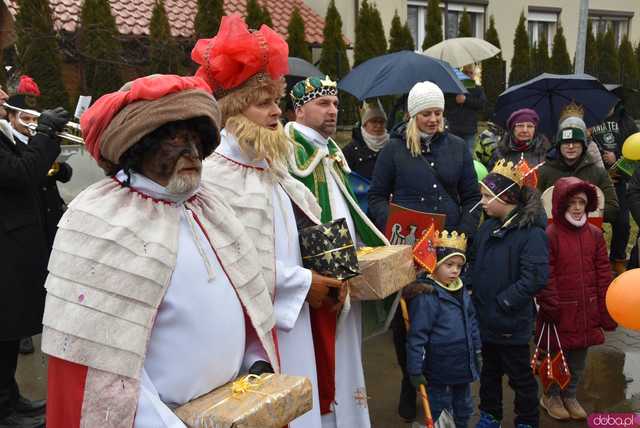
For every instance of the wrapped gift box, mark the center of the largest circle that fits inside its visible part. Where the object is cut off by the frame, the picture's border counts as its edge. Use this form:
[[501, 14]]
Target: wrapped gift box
[[385, 270], [328, 250], [267, 401]]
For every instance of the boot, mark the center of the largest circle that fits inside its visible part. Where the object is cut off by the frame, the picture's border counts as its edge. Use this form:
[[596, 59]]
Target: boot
[[487, 421], [575, 409], [407, 405], [619, 266], [554, 407]]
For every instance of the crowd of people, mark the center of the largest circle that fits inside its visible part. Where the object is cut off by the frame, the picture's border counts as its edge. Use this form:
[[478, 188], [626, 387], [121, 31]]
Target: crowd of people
[[191, 243]]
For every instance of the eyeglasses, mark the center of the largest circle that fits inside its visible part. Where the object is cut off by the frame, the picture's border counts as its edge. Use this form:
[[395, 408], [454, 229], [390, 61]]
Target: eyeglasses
[[526, 125]]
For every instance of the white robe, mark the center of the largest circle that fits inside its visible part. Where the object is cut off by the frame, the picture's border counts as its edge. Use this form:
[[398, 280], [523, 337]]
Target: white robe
[[350, 408], [190, 351], [293, 322]]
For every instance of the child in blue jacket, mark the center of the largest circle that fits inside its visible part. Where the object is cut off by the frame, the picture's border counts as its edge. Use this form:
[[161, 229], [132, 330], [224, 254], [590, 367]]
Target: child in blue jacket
[[509, 265], [443, 342]]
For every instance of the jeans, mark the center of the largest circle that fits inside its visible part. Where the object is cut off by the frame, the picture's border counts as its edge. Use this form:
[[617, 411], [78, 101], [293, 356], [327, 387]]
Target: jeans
[[576, 360], [511, 360], [620, 228], [8, 385], [455, 398]]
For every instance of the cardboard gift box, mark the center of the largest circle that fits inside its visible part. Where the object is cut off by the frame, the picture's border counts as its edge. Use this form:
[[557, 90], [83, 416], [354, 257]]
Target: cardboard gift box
[[266, 401], [384, 271], [328, 250]]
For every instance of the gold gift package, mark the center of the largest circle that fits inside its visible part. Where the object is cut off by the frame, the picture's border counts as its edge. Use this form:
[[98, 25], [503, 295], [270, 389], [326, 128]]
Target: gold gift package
[[266, 401], [384, 271]]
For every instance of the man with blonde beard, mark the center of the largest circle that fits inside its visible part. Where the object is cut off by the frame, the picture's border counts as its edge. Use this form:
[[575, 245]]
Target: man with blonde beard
[[249, 169], [147, 263]]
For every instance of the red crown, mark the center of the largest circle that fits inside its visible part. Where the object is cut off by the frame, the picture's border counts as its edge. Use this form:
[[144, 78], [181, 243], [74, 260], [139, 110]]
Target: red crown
[[236, 54]]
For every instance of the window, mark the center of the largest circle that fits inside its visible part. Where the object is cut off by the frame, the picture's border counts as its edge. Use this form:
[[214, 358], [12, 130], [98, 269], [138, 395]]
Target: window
[[451, 14], [602, 21], [542, 25]]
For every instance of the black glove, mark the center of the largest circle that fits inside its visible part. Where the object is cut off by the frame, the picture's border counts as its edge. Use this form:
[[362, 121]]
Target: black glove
[[53, 121], [260, 367], [418, 380]]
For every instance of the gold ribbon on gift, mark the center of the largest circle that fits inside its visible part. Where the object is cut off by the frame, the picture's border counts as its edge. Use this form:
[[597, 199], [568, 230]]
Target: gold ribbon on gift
[[363, 251], [248, 383], [328, 252]]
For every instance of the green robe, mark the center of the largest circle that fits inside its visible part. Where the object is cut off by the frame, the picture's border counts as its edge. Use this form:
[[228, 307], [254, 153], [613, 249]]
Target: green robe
[[306, 165]]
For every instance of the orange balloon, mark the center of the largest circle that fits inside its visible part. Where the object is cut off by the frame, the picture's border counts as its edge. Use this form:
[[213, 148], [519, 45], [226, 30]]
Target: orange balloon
[[623, 299]]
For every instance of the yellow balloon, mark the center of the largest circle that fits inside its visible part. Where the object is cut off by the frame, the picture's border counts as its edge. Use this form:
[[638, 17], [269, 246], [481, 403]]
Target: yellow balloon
[[623, 299], [631, 147]]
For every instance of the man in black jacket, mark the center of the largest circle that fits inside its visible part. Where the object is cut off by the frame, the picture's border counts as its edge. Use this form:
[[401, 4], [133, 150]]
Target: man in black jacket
[[462, 110], [51, 204], [610, 136], [23, 264]]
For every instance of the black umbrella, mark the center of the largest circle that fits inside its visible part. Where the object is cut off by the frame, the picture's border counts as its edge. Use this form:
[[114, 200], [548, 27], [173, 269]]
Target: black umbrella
[[548, 94], [396, 73], [300, 69]]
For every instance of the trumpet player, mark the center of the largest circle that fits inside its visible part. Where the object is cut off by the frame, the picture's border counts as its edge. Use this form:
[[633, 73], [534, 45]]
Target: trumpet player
[[51, 204], [23, 261]]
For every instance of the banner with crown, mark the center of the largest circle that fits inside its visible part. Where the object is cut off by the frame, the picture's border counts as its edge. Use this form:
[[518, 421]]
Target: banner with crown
[[406, 226]]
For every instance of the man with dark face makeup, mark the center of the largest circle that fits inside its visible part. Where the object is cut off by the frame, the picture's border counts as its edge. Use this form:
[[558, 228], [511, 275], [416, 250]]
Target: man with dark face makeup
[[148, 263]]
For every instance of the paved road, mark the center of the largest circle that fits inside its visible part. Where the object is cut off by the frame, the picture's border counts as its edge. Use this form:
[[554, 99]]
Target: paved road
[[611, 381]]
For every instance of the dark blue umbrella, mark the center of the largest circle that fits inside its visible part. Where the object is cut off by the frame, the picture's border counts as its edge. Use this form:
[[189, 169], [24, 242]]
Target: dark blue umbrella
[[396, 73], [548, 94]]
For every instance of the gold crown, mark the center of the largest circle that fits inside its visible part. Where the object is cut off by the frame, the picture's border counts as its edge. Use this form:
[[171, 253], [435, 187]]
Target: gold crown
[[509, 170], [451, 240], [571, 110]]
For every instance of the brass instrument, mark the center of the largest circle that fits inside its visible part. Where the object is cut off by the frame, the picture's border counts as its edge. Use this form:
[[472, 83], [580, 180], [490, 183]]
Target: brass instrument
[[70, 135]]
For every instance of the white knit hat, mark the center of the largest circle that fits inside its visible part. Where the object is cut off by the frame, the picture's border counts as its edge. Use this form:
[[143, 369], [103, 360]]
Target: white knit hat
[[424, 95]]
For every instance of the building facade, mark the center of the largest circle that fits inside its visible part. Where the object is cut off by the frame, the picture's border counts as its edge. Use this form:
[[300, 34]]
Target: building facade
[[543, 18]]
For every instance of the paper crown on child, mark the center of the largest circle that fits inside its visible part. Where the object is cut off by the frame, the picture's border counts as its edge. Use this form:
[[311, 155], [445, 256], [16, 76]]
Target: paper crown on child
[[505, 181], [449, 244], [571, 110]]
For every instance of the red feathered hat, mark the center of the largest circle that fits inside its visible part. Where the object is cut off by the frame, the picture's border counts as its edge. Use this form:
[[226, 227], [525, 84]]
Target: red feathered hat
[[236, 54], [26, 94]]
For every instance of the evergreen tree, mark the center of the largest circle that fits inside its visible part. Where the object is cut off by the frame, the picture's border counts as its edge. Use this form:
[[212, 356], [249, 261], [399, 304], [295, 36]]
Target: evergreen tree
[[542, 58], [333, 60], [434, 25], [521, 62], [99, 49], [39, 54], [608, 67], [396, 34], [208, 17], [165, 55], [370, 40], [629, 73], [560, 60], [533, 59], [464, 29], [493, 69], [377, 32], [400, 36], [409, 43], [637, 57], [257, 15], [591, 53], [298, 46]]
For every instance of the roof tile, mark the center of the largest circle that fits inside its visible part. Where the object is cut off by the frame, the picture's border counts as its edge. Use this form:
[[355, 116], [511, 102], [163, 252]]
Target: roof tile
[[133, 17]]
